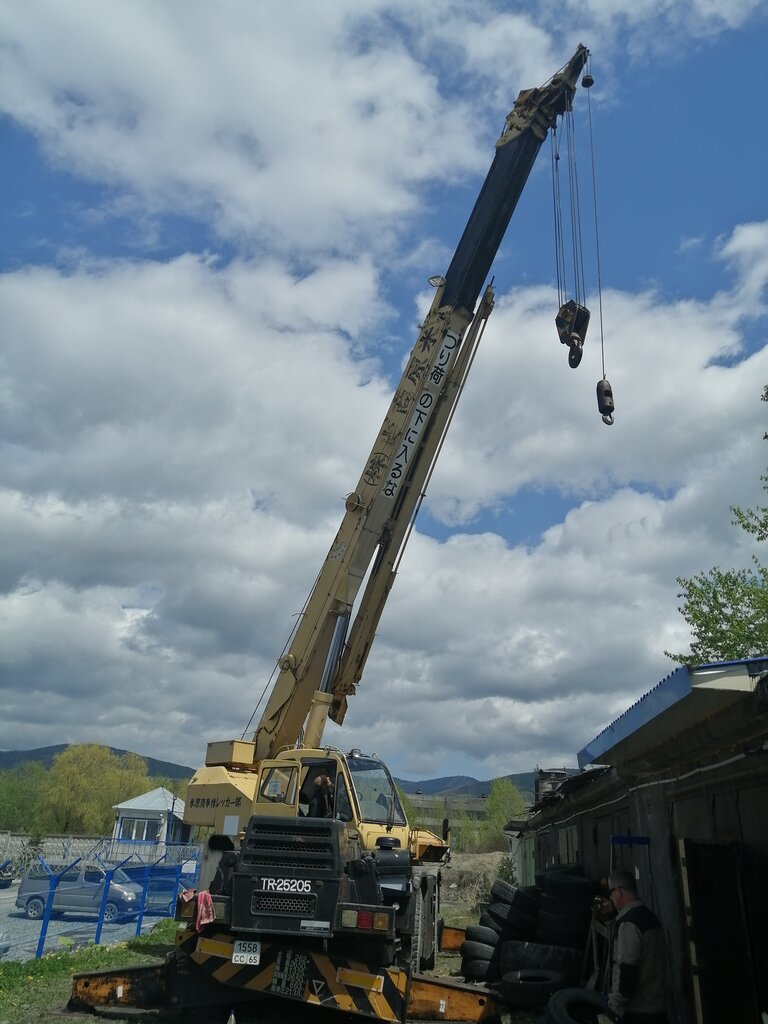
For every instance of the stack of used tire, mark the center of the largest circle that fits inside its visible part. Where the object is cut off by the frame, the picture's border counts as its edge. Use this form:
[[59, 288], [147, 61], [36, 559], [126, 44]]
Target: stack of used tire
[[513, 910], [531, 939], [511, 913], [480, 953], [565, 908], [542, 951]]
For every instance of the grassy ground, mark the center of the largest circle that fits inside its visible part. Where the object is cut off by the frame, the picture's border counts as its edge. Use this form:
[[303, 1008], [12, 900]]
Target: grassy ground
[[35, 992]]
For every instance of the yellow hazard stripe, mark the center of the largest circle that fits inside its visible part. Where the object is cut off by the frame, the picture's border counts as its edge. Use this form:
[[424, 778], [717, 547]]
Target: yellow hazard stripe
[[359, 979]]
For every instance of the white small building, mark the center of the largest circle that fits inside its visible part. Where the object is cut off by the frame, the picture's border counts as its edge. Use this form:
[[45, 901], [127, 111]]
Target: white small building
[[156, 817]]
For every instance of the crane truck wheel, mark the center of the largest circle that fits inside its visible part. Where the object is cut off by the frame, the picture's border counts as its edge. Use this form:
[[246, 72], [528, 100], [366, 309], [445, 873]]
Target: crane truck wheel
[[418, 923]]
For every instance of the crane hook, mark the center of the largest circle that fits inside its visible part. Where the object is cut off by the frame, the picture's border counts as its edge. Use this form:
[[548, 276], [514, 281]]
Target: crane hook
[[571, 322], [605, 403]]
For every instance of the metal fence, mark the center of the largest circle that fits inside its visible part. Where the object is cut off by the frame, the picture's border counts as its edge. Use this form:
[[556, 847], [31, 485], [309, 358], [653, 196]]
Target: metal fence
[[91, 897]]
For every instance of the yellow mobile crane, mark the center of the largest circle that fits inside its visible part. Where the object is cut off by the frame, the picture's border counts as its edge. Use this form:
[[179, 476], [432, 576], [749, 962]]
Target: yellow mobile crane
[[313, 886]]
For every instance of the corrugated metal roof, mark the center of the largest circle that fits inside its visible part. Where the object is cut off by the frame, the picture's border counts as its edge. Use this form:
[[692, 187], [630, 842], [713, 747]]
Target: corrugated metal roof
[[690, 692], [159, 799]]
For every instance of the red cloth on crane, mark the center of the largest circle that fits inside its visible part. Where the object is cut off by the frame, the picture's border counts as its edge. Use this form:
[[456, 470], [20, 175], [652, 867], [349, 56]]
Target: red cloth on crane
[[205, 913]]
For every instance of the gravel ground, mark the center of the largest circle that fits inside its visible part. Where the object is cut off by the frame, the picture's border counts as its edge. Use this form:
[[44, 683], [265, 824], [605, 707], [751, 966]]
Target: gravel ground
[[66, 932]]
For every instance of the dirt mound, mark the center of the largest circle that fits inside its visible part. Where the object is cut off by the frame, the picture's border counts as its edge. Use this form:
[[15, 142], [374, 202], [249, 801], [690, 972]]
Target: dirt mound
[[467, 880], [473, 867]]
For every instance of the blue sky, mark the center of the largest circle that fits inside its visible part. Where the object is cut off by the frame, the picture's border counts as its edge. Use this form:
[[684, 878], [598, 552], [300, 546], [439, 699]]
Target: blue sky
[[216, 237]]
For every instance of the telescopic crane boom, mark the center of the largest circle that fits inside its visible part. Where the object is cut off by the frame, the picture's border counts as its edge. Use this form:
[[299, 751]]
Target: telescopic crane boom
[[325, 655]]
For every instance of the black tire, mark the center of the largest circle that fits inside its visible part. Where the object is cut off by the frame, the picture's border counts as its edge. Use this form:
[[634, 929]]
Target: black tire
[[487, 921], [517, 956], [566, 926], [477, 950], [572, 888], [530, 890], [111, 913], [34, 908], [480, 970], [478, 933], [530, 987], [527, 900], [560, 941], [510, 918], [415, 951], [564, 869], [574, 1006], [432, 918], [556, 907], [502, 892]]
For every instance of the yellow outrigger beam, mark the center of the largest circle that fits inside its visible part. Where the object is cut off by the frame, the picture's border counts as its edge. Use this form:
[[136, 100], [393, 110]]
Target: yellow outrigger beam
[[201, 974]]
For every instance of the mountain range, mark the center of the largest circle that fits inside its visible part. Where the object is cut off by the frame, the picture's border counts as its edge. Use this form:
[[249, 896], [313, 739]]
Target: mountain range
[[45, 755], [455, 785]]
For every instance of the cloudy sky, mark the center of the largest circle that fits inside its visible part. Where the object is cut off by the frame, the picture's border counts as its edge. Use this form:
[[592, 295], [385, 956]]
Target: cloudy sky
[[218, 226]]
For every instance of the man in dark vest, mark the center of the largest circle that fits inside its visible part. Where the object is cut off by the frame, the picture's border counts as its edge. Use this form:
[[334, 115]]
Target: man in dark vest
[[639, 986]]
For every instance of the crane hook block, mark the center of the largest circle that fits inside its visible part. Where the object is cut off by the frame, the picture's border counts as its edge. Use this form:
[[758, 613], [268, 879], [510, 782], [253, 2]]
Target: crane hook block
[[587, 81], [605, 401], [571, 322]]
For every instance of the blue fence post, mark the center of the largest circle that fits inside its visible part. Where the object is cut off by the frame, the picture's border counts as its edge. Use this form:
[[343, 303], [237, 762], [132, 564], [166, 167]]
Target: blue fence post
[[144, 890], [105, 897], [52, 886]]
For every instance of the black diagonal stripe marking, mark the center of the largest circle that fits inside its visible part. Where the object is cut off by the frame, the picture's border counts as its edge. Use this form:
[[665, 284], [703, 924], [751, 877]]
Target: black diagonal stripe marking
[[394, 997]]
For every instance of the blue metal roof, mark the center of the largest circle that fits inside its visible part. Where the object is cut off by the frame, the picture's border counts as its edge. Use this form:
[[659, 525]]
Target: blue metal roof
[[665, 695]]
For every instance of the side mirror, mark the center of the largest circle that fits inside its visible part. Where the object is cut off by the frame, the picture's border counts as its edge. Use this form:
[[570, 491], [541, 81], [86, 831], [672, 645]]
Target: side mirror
[[446, 830]]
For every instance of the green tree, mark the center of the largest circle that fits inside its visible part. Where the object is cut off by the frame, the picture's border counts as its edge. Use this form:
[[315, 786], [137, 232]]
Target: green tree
[[84, 784], [21, 790], [463, 830], [728, 610], [504, 802]]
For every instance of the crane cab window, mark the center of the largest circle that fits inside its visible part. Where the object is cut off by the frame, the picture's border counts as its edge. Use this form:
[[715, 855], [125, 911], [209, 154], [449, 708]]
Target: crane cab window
[[278, 785], [316, 798], [342, 807], [376, 793], [324, 792]]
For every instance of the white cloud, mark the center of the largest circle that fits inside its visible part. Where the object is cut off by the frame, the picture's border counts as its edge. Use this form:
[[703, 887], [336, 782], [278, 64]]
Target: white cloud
[[173, 479], [281, 125], [178, 437]]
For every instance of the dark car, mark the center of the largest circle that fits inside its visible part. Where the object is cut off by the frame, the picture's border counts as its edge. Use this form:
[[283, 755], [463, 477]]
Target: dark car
[[80, 890]]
